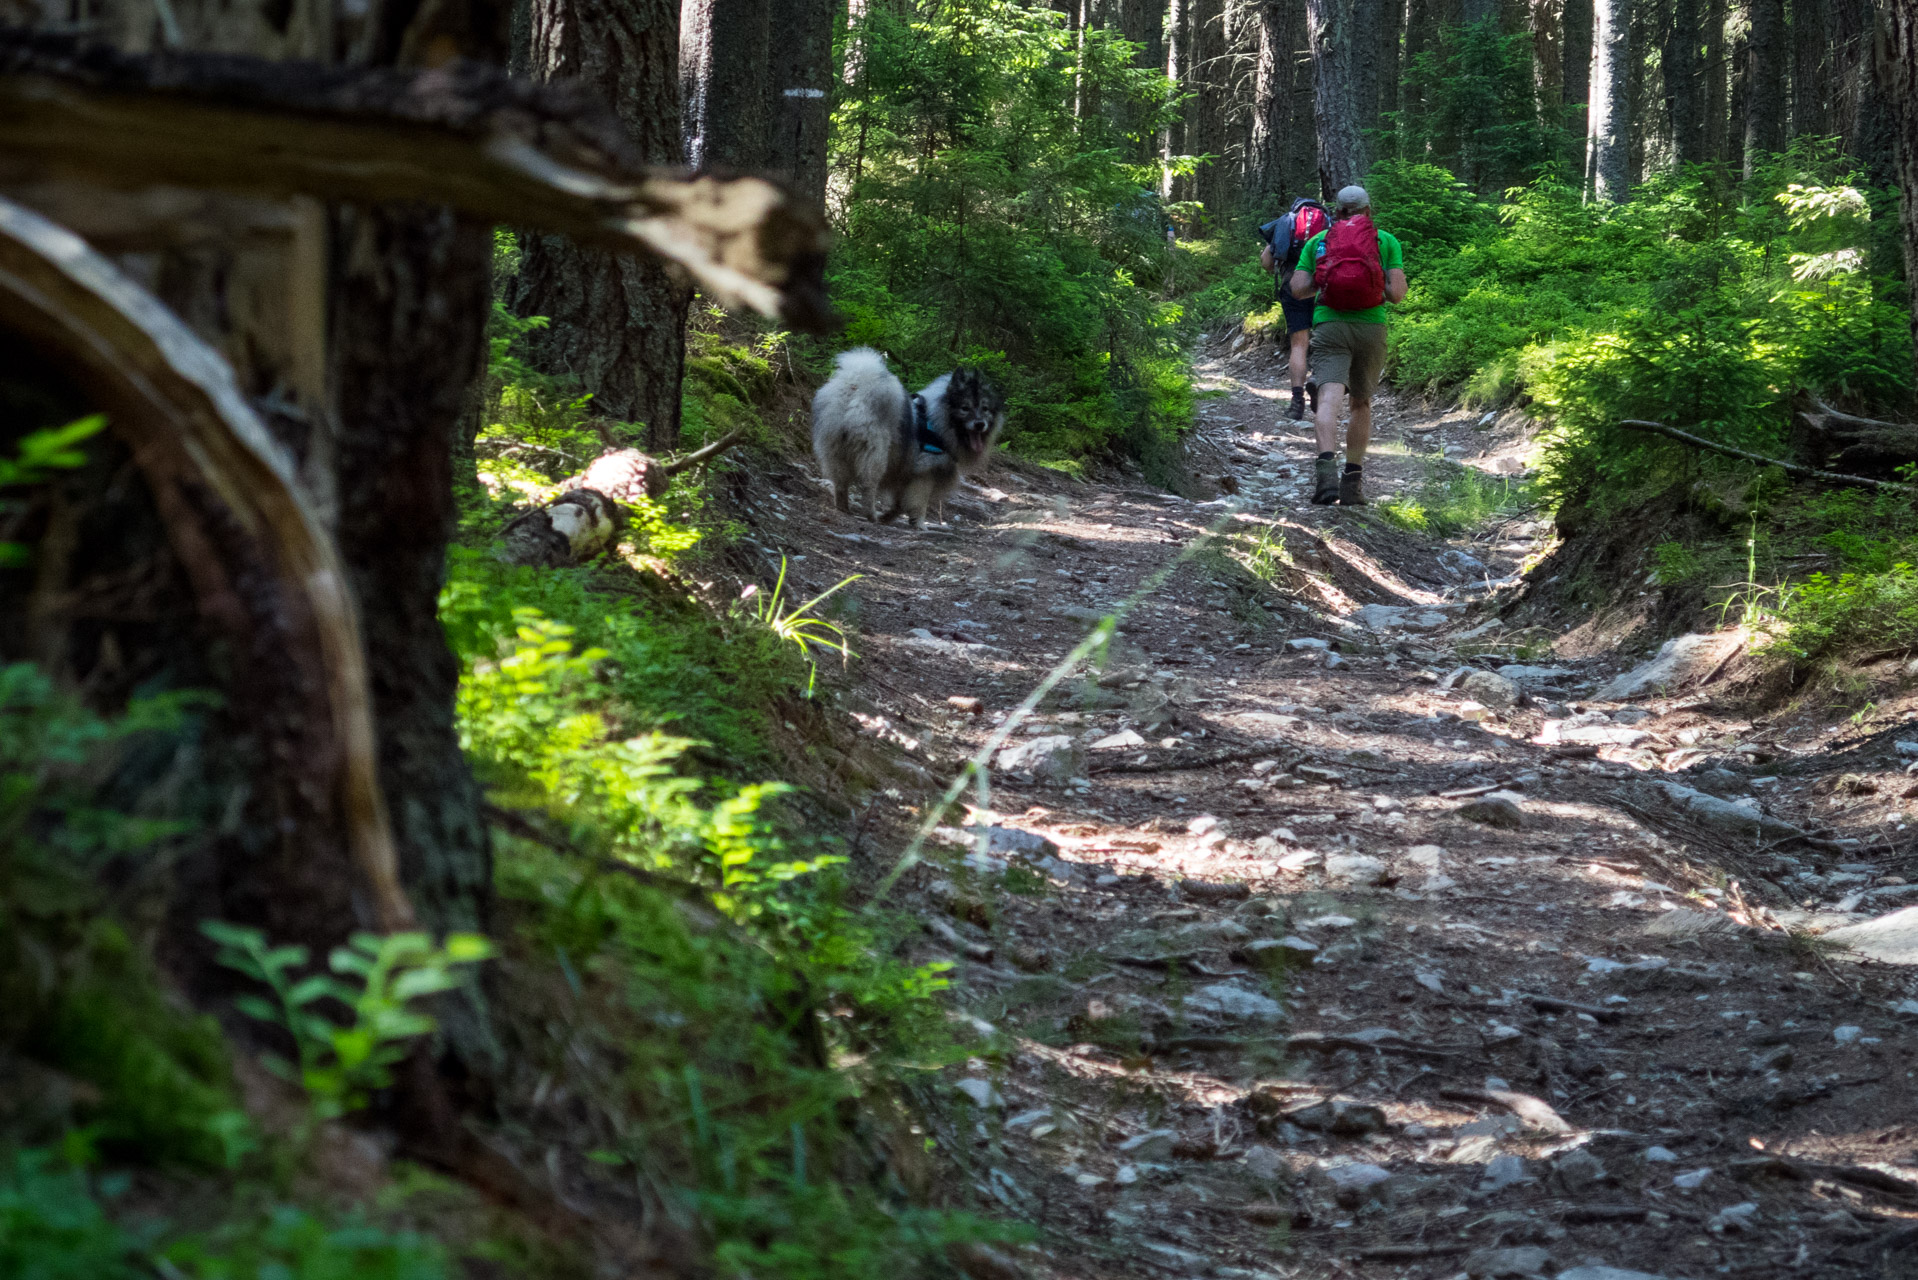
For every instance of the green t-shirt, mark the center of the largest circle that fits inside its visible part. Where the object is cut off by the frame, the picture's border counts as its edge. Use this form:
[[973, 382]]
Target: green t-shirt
[[1390, 256]]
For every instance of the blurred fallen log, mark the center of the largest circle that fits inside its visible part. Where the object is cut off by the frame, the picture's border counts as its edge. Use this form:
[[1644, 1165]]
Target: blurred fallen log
[[1867, 442], [1789, 468], [586, 519], [461, 135]]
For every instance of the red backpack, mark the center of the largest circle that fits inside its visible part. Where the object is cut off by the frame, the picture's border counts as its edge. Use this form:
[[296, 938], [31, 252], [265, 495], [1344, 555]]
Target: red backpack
[[1350, 276]]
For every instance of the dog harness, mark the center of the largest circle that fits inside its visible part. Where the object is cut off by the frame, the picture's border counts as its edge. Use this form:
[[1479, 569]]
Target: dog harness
[[916, 428]]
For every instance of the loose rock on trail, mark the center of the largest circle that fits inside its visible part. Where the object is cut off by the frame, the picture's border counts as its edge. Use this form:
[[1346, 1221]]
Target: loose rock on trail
[[1335, 925]]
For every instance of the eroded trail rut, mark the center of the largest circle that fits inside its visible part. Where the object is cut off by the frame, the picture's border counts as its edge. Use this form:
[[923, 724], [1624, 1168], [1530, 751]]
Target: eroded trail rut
[[1297, 962]]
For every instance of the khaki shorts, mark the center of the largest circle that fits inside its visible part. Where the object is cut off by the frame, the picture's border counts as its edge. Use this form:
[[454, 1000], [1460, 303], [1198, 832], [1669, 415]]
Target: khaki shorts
[[1350, 355]]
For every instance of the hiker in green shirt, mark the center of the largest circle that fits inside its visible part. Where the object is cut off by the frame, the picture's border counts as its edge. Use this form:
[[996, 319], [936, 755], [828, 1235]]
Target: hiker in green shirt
[[1348, 346]]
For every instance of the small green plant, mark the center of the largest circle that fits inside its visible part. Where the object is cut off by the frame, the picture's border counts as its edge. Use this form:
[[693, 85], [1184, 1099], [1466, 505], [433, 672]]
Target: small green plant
[[380, 978], [1674, 562], [1265, 556], [798, 624]]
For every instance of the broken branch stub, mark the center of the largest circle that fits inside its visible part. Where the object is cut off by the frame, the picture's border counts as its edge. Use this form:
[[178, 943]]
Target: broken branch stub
[[461, 135], [266, 575]]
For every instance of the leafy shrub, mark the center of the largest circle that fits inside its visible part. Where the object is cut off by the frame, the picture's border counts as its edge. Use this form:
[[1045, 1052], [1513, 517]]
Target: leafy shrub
[[1853, 612]]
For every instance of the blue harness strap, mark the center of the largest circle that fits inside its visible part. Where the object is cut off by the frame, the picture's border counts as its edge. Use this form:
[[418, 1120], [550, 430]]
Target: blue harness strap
[[917, 431]]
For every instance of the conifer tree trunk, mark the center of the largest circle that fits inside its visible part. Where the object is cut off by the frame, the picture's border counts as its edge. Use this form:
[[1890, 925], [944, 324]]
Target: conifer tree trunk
[[1608, 140], [1897, 64], [1548, 57], [1684, 81], [1265, 180], [1368, 16], [1765, 99], [1579, 23], [1738, 81], [1342, 148], [1172, 137], [1301, 133], [1716, 93], [1421, 39], [802, 79], [1391, 71], [1208, 133], [1814, 87], [617, 324], [725, 66]]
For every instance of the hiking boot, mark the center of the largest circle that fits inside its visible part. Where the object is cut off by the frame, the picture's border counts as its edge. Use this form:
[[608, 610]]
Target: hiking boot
[[1325, 491], [1351, 492], [1298, 404]]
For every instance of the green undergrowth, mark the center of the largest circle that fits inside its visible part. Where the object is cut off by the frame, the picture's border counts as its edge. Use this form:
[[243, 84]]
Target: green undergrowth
[[1452, 499]]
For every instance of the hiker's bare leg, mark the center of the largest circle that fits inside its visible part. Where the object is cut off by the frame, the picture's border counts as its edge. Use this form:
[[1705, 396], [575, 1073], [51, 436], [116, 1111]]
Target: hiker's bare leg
[[1358, 432], [1331, 400], [1301, 342]]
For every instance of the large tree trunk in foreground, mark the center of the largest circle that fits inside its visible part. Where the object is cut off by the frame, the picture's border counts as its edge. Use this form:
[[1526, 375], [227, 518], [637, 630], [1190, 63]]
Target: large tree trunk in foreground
[[1342, 149], [1172, 135], [725, 59], [1898, 64], [1577, 95], [1608, 141], [617, 323]]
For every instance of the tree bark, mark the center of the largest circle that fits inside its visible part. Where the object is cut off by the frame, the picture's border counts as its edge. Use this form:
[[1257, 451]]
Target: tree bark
[[1898, 65], [1301, 135], [1608, 142], [725, 61], [1716, 94], [1209, 134], [1684, 81], [616, 323], [802, 80], [1812, 41], [1172, 137], [1368, 16], [1548, 57], [1265, 179], [1765, 99], [1343, 157], [1391, 72], [1576, 116]]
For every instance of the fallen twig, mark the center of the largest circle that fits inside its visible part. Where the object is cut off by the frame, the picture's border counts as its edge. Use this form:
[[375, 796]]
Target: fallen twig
[[1552, 1004], [1789, 468]]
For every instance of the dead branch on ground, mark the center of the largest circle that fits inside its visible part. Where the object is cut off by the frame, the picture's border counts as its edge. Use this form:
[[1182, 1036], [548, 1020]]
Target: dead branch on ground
[[1789, 468]]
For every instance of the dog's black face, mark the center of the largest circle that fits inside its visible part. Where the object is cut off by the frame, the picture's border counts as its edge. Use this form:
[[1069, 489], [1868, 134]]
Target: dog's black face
[[975, 412]]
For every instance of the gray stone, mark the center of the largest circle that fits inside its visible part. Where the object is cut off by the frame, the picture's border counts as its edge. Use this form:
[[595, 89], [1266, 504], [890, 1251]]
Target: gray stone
[[1743, 820], [1500, 809], [1606, 1273], [1353, 868], [1234, 1003], [1153, 1146], [1053, 756], [1400, 617], [1578, 1170], [1891, 939], [1503, 1171], [1346, 1119], [1519, 1260], [1490, 688], [1658, 1155], [1299, 644], [1005, 840], [1533, 675], [1319, 773], [1353, 1184], [1267, 1164], [1678, 662], [981, 1092], [1120, 741], [1692, 1180]]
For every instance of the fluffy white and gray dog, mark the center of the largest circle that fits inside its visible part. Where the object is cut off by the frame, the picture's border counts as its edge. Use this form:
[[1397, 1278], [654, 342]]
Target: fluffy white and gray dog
[[905, 452]]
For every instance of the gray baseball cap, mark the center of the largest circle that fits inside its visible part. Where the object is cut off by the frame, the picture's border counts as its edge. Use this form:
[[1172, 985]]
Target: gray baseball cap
[[1354, 197]]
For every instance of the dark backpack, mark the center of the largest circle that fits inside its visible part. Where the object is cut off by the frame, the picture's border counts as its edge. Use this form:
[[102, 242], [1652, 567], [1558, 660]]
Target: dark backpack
[[1287, 235], [1350, 275]]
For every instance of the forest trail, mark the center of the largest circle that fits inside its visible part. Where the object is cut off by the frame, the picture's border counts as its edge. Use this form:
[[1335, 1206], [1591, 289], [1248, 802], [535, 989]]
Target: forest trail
[[1296, 962]]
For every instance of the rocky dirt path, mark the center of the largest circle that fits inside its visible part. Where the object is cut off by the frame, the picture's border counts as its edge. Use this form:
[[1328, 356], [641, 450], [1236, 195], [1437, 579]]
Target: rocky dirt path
[[1306, 943]]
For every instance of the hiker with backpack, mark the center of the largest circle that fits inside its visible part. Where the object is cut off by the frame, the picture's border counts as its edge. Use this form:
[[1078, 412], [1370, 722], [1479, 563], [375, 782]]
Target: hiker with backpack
[[1356, 269], [1284, 238]]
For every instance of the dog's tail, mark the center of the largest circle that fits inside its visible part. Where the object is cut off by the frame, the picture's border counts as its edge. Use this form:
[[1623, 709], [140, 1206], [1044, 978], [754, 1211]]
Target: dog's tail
[[863, 396], [861, 364]]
